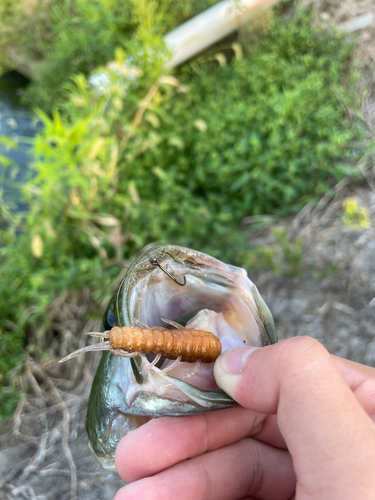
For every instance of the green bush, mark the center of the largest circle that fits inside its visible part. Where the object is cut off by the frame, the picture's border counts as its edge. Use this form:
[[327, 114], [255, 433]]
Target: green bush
[[240, 141], [273, 119], [154, 157]]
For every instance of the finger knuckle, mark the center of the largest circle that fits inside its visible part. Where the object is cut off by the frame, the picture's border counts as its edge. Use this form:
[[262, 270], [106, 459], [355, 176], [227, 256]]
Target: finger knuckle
[[256, 478], [205, 480], [302, 351]]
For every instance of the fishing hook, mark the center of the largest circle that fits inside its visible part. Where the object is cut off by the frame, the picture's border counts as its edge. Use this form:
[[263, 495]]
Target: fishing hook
[[154, 262]]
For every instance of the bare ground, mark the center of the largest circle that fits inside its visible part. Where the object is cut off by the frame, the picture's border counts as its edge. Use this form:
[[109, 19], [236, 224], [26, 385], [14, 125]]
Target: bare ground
[[334, 300], [43, 449]]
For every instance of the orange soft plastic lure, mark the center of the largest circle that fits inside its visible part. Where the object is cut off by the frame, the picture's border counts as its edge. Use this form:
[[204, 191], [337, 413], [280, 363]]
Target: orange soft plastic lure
[[190, 344], [184, 344]]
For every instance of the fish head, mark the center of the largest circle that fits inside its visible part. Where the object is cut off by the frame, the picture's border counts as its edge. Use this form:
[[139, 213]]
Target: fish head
[[198, 292]]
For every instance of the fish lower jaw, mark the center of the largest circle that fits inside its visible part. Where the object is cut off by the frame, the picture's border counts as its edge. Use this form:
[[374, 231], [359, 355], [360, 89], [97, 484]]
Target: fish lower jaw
[[153, 405]]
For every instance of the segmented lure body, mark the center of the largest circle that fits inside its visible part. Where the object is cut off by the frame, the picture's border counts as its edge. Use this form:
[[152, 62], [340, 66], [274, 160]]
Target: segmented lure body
[[190, 344]]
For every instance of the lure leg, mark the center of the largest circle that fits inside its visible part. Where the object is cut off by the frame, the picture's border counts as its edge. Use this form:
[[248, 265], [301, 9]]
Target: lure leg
[[103, 346], [153, 363], [194, 370], [102, 335], [99, 334], [117, 352], [173, 323], [139, 323], [173, 365]]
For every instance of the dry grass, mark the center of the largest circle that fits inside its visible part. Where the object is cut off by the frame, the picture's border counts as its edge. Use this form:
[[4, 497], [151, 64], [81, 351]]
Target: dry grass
[[43, 449], [341, 14]]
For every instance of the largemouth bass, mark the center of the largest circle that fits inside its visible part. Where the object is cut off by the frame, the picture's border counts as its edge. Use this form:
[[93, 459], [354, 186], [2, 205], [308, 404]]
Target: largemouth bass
[[198, 292]]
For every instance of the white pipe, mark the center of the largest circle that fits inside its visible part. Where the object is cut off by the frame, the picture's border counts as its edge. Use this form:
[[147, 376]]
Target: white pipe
[[210, 26], [202, 31]]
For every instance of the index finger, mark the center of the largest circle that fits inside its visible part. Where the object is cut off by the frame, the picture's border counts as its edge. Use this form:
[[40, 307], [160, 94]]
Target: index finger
[[164, 442], [361, 380]]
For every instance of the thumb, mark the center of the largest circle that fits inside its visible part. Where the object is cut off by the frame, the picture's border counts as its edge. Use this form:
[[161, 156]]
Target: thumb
[[317, 414]]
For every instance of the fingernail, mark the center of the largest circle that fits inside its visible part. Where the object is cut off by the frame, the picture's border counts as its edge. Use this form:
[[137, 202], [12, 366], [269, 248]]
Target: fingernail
[[229, 365], [233, 361]]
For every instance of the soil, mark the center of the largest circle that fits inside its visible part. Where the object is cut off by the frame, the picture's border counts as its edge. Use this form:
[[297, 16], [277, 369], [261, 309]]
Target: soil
[[43, 449], [334, 299]]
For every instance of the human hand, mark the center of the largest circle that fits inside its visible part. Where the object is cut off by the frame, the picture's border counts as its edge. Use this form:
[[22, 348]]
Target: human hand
[[306, 427]]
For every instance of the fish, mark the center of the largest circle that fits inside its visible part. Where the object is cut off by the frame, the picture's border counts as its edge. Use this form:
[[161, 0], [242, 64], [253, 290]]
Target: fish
[[170, 286]]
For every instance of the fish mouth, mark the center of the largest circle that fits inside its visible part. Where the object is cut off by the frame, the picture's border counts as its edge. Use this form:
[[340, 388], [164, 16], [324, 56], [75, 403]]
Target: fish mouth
[[195, 291], [198, 292]]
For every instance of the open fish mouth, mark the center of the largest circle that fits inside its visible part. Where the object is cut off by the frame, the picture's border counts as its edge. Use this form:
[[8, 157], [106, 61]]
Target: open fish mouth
[[197, 292]]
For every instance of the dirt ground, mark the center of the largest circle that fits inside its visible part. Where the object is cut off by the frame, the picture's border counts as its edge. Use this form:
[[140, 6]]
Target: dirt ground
[[334, 300], [43, 449]]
